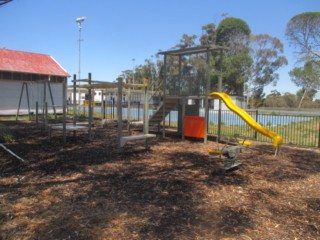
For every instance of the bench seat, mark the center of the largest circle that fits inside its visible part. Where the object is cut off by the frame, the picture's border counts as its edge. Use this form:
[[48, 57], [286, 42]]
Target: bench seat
[[126, 139]]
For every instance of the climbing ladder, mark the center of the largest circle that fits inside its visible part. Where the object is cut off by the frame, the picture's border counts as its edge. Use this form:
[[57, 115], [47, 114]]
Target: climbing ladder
[[170, 104]]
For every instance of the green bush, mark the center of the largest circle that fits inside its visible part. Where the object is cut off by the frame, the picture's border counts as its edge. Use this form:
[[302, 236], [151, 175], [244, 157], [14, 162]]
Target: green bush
[[6, 136]]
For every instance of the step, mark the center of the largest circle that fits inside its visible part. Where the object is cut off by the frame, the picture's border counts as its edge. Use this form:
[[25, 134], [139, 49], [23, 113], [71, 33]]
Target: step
[[126, 139]]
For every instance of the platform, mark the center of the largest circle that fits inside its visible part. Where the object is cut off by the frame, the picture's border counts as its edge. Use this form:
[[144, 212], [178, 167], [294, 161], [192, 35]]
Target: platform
[[126, 139]]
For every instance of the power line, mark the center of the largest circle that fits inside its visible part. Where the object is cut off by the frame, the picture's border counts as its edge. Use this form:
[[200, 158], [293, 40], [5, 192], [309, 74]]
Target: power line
[[2, 2]]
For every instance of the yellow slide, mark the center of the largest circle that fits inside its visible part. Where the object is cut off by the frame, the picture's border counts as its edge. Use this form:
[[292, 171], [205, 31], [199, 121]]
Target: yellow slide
[[277, 140]]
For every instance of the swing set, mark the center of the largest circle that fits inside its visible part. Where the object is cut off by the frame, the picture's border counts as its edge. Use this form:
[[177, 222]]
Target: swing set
[[36, 96]]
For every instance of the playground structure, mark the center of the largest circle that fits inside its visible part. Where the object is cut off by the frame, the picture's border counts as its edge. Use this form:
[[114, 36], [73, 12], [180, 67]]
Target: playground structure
[[177, 90], [189, 84], [116, 88], [186, 90], [37, 93]]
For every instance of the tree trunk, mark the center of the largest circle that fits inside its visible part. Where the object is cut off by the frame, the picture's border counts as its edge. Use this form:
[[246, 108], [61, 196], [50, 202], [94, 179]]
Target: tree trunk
[[302, 98]]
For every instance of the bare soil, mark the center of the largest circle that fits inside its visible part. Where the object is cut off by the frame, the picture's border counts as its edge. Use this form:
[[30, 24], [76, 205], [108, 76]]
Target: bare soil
[[87, 190]]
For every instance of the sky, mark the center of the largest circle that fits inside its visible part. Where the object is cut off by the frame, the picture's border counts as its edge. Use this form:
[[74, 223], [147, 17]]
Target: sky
[[118, 31]]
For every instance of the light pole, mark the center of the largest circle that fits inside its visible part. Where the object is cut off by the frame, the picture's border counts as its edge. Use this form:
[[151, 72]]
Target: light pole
[[133, 70], [79, 21]]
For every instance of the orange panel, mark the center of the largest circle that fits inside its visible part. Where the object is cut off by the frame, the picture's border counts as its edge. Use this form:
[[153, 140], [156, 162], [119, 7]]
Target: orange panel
[[194, 126]]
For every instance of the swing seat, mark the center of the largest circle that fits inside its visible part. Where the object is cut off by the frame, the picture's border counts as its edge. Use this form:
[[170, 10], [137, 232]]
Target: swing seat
[[214, 151], [244, 142]]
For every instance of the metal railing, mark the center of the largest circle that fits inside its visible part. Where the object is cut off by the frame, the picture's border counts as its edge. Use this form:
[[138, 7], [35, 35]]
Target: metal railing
[[295, 129], [300, 130]]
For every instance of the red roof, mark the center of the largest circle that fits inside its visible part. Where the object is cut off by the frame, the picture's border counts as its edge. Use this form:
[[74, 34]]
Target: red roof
[[26, 62]]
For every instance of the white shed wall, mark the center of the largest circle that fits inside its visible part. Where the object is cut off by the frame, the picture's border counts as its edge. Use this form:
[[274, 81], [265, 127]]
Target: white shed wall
[[10, 91]]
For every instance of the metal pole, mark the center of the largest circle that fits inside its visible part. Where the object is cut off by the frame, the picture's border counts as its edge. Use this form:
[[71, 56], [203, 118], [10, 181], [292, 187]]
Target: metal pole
[[21, 94], [74, 99], [28, 101], [52, 101], [183, 115], [79, 50], [220, 90]]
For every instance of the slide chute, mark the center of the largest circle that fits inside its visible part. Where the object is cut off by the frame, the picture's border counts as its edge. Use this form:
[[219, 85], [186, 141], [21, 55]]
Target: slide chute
[[277, 140]]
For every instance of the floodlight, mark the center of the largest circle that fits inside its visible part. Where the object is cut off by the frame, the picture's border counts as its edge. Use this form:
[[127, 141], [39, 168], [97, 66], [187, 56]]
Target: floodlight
[[80, 19]]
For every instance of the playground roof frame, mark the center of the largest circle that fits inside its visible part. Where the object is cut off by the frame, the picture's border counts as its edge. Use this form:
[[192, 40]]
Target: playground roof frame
[[193, 50], [206, 49]]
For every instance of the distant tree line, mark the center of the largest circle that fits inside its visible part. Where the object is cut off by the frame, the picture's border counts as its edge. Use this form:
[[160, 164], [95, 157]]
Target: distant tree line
[[250, 62]]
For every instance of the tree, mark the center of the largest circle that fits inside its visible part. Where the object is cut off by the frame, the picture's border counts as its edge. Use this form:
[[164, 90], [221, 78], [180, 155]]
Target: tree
[[233, 33], [290, 99], [303, 32], [306, 77], [187, 41], [265, 52], [210, 34], [309, 95]]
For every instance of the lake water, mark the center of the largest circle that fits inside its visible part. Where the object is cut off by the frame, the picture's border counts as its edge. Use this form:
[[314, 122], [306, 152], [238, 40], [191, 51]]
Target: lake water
[[227, 117]]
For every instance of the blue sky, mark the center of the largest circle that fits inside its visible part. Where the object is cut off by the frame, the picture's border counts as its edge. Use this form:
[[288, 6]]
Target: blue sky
[[116, 31]]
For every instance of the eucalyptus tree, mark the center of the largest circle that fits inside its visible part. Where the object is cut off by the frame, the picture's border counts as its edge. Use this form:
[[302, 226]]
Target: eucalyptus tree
[[303, 32], [209, 34], [306, 77], [266, 54], [234, 34]]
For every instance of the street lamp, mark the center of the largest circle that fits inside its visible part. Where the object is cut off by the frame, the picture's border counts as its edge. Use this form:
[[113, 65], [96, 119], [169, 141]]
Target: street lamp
[[133, 70], [79, 21]]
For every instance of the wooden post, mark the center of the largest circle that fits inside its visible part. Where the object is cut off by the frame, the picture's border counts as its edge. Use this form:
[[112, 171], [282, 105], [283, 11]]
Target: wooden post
[[206, 100], [101, 106], [145, 110], [46, 116], [129, 110], [164, 98], [182, 116], [119, 112], [64, 98], [37, 114], [90, 108], [319, 137]]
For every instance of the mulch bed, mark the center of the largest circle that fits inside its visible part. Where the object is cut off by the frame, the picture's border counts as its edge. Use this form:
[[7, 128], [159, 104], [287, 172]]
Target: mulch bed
[[87, 190]]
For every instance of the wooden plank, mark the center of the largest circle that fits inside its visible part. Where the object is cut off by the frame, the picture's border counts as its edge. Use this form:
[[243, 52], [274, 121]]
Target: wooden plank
[[126, 139]]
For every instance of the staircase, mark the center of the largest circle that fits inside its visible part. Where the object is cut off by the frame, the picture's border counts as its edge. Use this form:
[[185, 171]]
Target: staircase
[[170, 104]]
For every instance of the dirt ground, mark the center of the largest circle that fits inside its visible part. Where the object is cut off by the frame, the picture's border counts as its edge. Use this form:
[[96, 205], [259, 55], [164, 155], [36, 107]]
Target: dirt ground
[[86, 190]]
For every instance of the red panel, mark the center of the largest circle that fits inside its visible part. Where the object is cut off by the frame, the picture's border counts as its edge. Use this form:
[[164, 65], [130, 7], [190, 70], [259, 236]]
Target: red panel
[[194, 126], [26, 62]]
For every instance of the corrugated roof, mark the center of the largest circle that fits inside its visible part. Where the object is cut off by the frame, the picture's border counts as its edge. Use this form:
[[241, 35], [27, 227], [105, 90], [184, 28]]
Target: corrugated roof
[[26, 62]]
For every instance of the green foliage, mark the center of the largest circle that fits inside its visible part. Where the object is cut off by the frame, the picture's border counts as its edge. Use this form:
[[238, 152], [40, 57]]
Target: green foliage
[[6, 136], [303, 31], [229, 27]]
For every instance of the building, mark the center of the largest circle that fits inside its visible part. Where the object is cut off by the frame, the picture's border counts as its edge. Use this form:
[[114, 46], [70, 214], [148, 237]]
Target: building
[[31, 77]]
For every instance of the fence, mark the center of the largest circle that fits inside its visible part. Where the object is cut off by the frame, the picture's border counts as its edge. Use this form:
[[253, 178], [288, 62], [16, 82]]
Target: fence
[[301, 130]]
